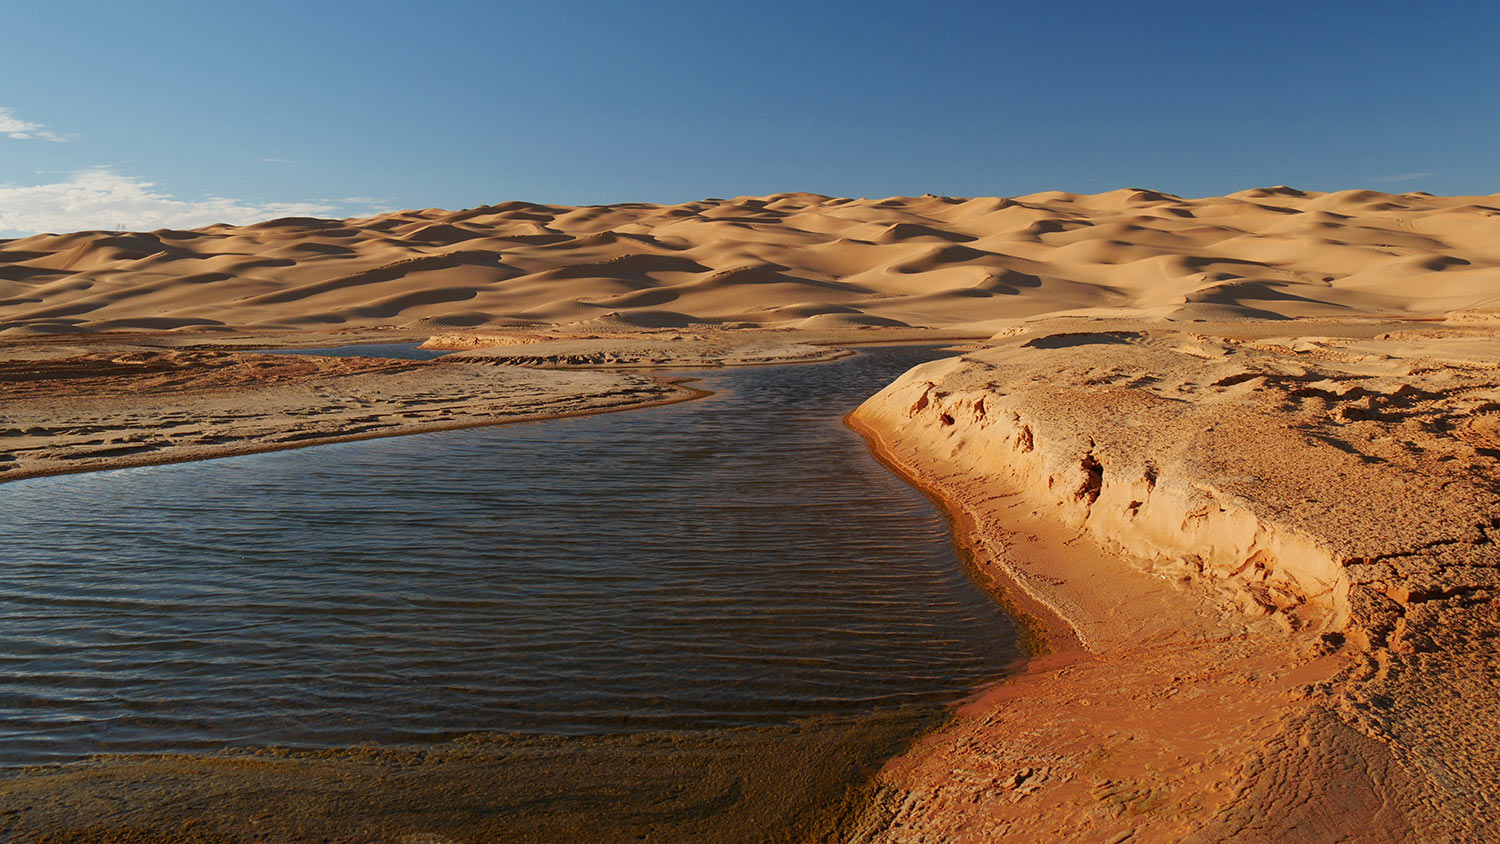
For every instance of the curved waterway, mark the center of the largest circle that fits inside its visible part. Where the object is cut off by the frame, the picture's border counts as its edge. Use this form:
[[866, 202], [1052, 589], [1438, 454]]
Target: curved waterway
[[716, 568]]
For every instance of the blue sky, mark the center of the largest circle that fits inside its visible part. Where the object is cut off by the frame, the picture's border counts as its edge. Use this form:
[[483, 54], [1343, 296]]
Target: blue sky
[[168, 113]]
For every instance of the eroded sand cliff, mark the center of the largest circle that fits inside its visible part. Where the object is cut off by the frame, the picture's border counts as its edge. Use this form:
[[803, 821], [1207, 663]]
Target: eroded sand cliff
[[1277, 554]]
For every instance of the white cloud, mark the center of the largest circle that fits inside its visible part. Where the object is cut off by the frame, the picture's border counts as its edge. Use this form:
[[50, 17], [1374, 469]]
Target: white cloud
[[100, 198], [14, 127], [1405, 177], [277, 161]]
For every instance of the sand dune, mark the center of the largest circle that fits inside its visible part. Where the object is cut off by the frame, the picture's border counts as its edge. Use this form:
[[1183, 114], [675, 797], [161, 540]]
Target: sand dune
[[777, 261]]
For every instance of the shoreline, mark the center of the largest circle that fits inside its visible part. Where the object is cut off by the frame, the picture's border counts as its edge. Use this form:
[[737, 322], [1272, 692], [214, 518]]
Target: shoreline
[[76, 404], [685, 394], [670, 389], [1045, 630]]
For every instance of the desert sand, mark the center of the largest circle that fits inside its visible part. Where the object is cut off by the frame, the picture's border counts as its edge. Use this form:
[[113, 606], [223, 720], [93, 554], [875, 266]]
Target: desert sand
[[1268, 562], [1234, 457], [798, 261]]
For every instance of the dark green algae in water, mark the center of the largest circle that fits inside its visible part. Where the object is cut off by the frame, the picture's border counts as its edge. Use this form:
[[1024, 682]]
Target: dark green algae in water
[[802, 782]]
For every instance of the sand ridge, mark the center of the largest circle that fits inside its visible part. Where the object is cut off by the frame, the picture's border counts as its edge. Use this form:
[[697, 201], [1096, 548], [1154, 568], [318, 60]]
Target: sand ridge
[[787, 260]]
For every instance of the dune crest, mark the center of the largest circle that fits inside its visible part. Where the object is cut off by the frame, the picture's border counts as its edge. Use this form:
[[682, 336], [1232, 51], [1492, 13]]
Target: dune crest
[[776, 261]]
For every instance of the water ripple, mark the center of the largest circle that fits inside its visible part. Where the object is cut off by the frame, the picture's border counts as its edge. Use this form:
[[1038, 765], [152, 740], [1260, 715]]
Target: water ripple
[[736, 560]]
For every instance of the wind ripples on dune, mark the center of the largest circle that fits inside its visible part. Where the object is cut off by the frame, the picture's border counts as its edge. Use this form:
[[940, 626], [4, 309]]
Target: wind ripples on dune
[[737, 560]]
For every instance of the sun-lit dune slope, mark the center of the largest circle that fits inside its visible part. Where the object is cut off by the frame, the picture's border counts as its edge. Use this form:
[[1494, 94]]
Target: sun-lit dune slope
[[794, 260]]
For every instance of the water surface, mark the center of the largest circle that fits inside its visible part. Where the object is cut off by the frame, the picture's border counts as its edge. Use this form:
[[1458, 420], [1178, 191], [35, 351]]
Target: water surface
[[735, 561]]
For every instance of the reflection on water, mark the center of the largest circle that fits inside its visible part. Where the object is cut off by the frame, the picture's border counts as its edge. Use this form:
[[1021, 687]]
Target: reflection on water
[[738, 560]]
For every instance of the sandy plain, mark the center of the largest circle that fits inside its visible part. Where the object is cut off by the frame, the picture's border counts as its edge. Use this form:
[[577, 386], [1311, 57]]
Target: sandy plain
[[1235, 456]]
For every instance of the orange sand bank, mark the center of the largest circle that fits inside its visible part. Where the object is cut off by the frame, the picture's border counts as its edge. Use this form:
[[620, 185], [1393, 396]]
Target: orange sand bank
[[1278, 554]]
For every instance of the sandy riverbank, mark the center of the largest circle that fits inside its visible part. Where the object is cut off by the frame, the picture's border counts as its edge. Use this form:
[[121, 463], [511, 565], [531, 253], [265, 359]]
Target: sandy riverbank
[[121, 408], [90, 402], [1271, 558]]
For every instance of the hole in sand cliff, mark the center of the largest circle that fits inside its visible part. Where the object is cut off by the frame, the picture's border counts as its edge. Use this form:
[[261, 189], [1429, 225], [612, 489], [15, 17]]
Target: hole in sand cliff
[[1093, 479], [922, 402]]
